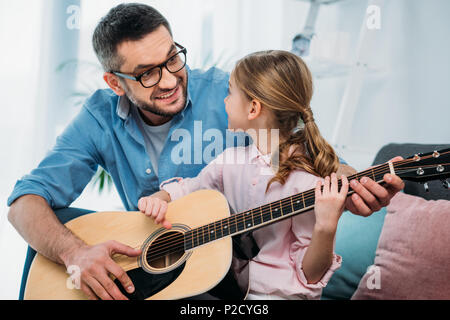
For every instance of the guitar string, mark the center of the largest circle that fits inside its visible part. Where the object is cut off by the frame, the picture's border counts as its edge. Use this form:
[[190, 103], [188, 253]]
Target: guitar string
[[263, 213], [242, 219]]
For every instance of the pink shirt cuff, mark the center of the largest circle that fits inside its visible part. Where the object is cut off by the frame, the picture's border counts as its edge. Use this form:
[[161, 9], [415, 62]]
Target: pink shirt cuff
[[336, 264], [173, 188]]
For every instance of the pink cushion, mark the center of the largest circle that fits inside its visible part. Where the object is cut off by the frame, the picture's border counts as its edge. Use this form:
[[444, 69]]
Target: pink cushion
[[412, 259]]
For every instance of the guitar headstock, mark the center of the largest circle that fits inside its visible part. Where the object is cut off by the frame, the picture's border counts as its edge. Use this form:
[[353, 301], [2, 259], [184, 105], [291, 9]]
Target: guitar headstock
[[425, 167]]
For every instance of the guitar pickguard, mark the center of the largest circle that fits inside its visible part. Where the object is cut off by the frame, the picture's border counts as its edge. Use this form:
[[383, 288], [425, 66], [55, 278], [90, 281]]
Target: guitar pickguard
[[147, 284]]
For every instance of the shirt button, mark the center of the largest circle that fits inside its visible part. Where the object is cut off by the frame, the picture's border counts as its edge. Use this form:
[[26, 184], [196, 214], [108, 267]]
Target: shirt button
[[254, 181], [148, 171]]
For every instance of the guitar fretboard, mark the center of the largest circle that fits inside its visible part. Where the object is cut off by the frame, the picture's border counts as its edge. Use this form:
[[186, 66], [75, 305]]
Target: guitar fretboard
[[268, 213]]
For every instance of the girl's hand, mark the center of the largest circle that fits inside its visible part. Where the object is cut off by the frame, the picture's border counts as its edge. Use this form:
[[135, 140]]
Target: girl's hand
[[330, 202], [155, 208]]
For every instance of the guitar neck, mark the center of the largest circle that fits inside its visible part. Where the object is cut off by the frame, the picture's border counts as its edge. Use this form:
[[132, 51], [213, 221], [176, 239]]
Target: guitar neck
[[268, 213]]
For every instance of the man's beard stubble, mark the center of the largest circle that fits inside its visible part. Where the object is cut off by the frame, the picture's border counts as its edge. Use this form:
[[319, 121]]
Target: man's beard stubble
[[151, 107]]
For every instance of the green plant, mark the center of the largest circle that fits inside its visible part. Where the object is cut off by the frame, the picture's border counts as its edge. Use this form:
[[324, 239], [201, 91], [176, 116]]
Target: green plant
[[89, 75]]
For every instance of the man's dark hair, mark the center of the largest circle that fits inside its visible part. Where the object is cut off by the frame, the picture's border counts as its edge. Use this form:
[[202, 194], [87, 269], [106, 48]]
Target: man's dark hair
[[125, 22]]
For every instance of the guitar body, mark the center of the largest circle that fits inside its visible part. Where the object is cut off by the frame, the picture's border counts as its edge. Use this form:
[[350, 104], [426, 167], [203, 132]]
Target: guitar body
[[175, 276]]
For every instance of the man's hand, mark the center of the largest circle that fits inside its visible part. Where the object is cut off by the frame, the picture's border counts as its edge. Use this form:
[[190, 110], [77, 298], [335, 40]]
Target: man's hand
[[369, 196], [96, 264]]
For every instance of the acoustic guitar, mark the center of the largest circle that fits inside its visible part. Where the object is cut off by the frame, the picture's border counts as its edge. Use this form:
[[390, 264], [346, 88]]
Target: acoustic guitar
[[196, 253]]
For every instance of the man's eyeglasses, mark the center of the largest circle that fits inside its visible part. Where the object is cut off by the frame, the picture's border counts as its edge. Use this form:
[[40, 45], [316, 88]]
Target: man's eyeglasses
[[152, 76]]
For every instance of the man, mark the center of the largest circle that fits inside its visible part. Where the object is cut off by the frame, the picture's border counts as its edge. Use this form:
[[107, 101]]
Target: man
[[133, 131]]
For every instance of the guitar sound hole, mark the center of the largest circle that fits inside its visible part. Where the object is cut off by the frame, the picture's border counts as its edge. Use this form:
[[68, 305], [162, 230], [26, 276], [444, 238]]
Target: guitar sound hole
[[165, 250]]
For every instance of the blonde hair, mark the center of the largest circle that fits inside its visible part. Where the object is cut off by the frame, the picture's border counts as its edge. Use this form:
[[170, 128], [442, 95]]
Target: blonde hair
[[282, 83]]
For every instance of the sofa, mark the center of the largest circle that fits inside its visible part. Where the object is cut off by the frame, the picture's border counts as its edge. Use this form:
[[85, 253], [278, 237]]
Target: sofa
[[400, 252]]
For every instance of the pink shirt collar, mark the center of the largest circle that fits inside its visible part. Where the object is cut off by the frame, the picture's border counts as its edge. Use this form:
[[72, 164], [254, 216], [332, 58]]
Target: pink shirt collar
[[256, 156]]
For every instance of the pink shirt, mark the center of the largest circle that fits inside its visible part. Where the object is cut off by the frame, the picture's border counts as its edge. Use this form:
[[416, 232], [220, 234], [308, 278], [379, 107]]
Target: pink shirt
[[242, 174]]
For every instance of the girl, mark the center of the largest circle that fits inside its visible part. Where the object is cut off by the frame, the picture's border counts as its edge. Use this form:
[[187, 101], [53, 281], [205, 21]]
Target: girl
[[270, 92]]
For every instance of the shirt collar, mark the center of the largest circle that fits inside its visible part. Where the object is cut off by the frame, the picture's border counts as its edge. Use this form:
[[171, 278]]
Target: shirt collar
[[256, 156], [124, 104], [123, 107]]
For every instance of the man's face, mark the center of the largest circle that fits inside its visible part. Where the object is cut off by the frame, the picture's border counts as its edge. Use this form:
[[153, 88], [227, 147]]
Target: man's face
[[168, 97]]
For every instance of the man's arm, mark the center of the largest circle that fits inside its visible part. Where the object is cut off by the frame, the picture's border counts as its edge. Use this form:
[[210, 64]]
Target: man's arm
[[57, 182], [38, 225]]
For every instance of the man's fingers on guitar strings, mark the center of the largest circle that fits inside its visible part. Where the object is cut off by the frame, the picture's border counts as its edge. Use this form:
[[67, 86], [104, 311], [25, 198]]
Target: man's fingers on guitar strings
[[380, 194], [394, 183], [367, 196], [357, 206]]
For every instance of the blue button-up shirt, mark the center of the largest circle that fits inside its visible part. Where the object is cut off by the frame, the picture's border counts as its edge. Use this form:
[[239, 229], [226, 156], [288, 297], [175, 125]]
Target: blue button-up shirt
[[105, 133]]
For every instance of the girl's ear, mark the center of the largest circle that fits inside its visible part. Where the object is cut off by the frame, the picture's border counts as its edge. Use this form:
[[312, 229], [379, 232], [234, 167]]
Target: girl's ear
[[114, 83], [254, 110]]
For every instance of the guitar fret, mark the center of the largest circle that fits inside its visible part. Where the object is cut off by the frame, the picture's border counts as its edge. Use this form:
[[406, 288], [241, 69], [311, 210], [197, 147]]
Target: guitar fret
[[303, 197], [276, 212], [210, 233], [248, 220], [309, 201], [195, 238], [233, 227], [218, 229], [221, 228], [286, 206], [203, 234], [297, 204], [240, 222], [225, 228], [199, 237], [268, 214], [257, 218]]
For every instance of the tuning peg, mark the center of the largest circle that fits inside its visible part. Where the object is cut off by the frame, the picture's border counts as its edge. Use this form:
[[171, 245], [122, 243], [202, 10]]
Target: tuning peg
[[425, 186], [445, 184]]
